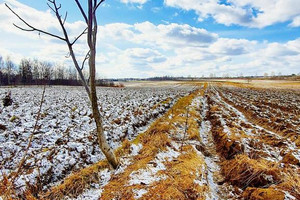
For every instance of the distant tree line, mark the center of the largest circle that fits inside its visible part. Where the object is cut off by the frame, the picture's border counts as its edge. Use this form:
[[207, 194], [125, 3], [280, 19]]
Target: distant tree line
[[35, 72]]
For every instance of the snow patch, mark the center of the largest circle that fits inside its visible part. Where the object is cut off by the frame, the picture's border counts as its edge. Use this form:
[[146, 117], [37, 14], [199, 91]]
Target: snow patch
[[288, 196], [139, 193], [94, 193], [135, 149], [149, 174]]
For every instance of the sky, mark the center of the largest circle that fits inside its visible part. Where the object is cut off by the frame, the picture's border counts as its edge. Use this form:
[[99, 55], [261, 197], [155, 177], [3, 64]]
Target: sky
[[147, 38]]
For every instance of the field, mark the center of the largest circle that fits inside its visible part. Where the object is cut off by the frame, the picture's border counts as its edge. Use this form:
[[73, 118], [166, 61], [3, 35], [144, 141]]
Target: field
[[213, 140]]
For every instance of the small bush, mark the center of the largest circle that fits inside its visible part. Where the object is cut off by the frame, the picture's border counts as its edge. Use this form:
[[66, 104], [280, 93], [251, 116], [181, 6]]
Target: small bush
[[7, 100]]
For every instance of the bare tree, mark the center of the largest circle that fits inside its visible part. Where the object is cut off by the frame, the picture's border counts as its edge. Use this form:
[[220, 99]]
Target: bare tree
[[266, 74], [9, 67], [91, 29], [72, 74], [1, 63], [36, 71], [46, 71], [25, 71], [1, 68]]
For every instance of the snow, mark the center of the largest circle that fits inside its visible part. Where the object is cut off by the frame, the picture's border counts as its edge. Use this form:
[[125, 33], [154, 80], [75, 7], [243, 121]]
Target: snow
[[139, 193], [149, 174], [211, 168], [288, 196], [124, 162], [65, 139], [296, 154], [135, 149], [210, 162], [94, 193]]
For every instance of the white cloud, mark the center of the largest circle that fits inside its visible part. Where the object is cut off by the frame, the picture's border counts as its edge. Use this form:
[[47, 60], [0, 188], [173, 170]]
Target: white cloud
[[172, 35], [250, 13], [295, 22], [232, 47], [144, 55], [134, 1]]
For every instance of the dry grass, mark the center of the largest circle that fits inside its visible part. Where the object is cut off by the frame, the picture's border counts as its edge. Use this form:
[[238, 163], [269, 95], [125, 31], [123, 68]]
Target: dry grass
[[266, 124], [168, 100], [263, 194], [245, 172], [226, 145], [186, 167], [291, 182], [123, 149], [180, 183], [6, 190], [75, 184], [154, 140]]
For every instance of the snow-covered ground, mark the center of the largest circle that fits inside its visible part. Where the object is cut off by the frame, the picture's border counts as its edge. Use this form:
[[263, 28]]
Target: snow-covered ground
[[65, 139]]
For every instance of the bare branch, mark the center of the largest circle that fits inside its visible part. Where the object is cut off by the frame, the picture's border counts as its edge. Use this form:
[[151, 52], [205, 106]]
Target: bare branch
[[96, 7], [32, 28], [65, 18], [89, 79], [82, 11], [79, 36], [50, 7], [61, 23], [68, 55], [23, 29], [87, 56]]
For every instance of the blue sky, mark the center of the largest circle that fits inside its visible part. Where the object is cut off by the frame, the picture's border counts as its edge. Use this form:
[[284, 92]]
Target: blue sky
[[144, 38]]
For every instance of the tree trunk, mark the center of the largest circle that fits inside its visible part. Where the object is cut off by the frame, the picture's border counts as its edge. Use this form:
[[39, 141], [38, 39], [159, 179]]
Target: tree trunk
[[92, 38]]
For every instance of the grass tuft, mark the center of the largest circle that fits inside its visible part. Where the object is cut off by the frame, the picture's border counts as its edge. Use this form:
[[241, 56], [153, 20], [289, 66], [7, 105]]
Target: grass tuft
[[245, 172]]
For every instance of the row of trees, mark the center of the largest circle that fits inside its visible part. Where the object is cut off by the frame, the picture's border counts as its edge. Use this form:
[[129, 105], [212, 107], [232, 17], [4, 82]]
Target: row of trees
[[35, 72]]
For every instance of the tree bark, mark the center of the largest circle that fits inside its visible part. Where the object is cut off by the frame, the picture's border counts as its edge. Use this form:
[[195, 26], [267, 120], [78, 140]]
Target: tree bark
[[92, 38]]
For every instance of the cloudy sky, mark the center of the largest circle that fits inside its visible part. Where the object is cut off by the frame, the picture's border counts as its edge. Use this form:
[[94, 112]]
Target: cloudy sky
[[146, 38]]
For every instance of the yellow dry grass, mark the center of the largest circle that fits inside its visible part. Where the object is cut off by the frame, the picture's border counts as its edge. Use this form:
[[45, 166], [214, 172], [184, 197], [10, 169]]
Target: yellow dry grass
[[5, 189], [152, 143], [291, 182], [263, 194], [74, 185], [156, 139], [180, 174], [168, 100], [245, 172], [179, 183]]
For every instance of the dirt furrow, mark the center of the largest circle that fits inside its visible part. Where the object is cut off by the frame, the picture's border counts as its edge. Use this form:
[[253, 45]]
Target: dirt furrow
[[252, 156], [211, 157]]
